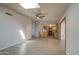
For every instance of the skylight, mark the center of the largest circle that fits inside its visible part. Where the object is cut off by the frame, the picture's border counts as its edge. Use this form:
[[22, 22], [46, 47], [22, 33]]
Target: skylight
[[29, 4]]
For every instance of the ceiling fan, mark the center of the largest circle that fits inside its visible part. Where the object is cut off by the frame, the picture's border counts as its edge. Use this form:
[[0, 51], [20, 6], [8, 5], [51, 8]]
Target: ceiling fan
[[39, 14]]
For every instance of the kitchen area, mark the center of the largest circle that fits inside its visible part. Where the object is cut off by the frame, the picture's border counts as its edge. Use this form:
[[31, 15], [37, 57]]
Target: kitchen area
[[49, 31]]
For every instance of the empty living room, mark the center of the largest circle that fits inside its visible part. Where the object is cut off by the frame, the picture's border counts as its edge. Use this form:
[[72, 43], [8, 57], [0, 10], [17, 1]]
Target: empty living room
[[39, 28]]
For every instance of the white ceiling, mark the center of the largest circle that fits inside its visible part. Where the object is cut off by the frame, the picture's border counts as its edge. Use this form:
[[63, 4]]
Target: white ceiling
[[54, 11]]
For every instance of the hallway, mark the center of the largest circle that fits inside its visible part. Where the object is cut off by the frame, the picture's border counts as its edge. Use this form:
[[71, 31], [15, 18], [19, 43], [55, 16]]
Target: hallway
[[39, 46]]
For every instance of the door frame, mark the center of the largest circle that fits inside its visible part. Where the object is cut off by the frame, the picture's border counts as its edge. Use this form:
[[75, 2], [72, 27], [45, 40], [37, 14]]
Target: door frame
[[64, 19]]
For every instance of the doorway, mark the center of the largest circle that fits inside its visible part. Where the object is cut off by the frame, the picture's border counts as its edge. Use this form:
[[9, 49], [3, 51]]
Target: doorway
[[50, 32]]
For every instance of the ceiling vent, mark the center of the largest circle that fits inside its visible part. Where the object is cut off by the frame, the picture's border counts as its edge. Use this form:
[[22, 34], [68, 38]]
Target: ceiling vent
[[7, 13]]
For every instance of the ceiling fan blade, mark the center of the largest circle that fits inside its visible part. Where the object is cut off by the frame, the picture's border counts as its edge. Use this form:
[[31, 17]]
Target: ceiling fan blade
[[39, 12], [41, 17]]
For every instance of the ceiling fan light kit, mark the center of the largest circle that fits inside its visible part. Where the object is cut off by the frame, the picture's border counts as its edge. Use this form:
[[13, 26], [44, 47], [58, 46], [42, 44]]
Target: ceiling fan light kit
[[39, 14]]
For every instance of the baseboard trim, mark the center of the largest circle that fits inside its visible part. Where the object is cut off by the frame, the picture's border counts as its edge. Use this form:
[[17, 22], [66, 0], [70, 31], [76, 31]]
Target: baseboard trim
[[11, 45]]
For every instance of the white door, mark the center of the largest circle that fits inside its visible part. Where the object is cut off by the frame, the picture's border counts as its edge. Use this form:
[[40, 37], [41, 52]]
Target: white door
[[63, 30], [63, 33]]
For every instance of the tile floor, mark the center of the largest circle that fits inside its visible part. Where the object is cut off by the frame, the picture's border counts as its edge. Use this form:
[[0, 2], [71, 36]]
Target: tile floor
[[39, 46]]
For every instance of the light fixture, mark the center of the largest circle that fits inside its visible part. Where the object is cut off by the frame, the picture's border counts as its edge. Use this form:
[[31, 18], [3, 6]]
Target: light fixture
[[22, 34], [37, 17], [29, 4], [50, 25]]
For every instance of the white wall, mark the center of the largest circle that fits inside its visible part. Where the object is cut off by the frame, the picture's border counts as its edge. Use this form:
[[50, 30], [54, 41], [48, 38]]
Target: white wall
[[10, 27], [35, 32], [72, 34], [34, 29]]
